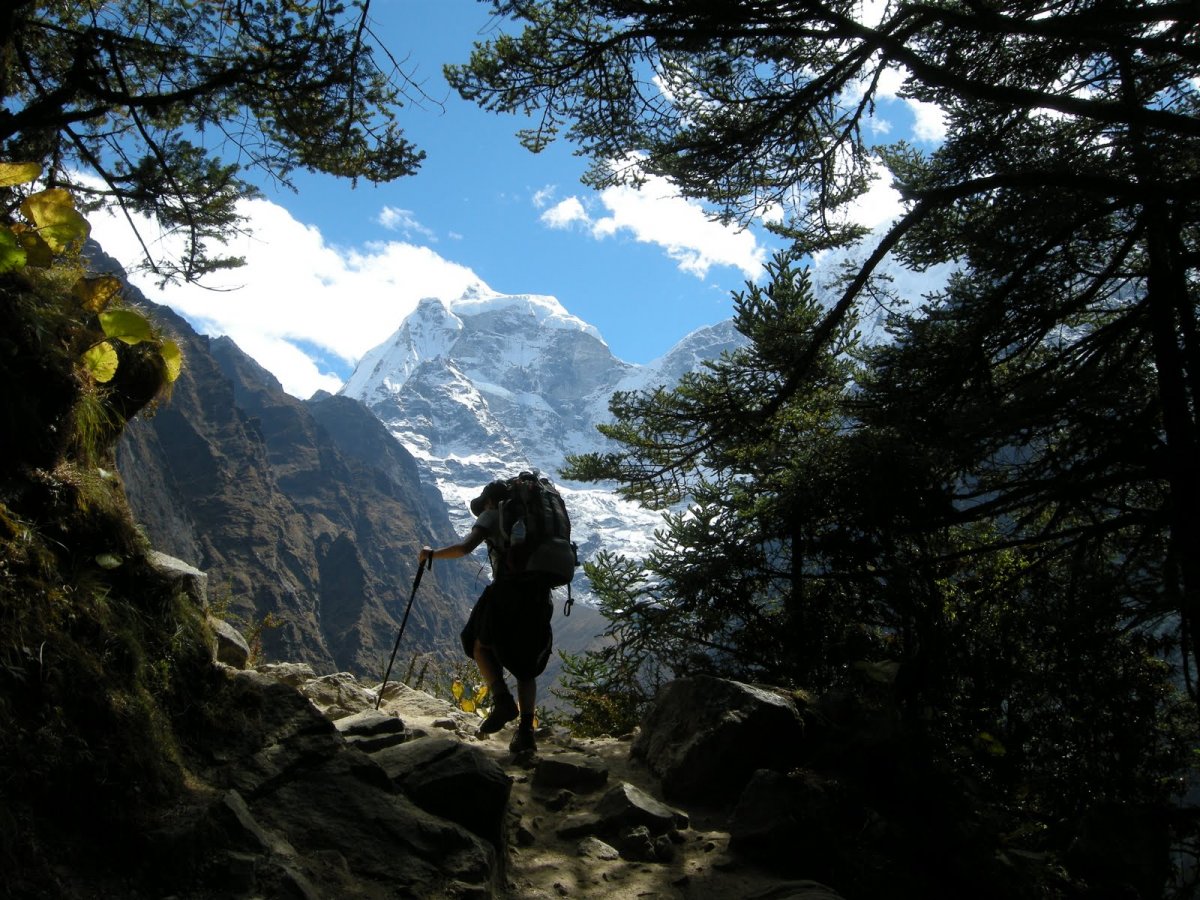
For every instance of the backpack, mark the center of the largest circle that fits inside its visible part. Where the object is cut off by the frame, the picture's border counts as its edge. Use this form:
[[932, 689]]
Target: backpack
[[535, 530]]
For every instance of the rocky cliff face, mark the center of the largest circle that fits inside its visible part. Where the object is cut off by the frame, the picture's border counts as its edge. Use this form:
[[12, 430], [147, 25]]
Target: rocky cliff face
[[307, 511]]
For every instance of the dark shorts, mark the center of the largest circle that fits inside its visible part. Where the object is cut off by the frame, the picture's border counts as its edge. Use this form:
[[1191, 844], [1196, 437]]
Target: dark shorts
[[512, 616]]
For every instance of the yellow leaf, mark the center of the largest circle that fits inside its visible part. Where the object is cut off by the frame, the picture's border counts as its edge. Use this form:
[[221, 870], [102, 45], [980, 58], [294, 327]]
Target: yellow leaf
[[18, 173], [108, 561], [467, 706], [457, 690], [96, 293], [58, 222], [37, 251], [126, 325], [172, 359], [101, 362]]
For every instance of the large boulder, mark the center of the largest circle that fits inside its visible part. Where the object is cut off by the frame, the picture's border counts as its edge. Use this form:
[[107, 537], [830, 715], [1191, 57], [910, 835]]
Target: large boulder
[[306, 814], [453, 780], [705, 737], [230, 647]]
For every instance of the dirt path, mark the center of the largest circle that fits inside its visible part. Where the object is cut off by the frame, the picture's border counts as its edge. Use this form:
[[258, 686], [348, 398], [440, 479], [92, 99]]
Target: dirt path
[[550, 866]]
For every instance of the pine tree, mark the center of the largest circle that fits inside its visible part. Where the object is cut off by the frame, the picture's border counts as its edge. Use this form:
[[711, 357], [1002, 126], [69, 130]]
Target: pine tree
[[1065, 190]]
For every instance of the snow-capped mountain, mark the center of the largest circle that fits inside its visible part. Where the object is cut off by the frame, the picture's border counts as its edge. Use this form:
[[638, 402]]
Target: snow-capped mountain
[[491, 384]]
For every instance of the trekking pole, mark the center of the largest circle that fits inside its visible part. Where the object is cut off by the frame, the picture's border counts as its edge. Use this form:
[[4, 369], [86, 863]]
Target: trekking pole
[[403, 622]]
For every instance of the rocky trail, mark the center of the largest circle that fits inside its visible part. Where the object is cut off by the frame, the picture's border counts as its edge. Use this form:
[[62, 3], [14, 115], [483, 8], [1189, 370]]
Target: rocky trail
[[583, 818]]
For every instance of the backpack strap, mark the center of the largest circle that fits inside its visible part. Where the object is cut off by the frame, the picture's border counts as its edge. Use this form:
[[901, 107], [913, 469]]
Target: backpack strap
[[570, 600]]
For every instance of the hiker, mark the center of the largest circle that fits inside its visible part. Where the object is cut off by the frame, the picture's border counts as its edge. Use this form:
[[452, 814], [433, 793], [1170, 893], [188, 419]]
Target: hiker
[[509, 628]]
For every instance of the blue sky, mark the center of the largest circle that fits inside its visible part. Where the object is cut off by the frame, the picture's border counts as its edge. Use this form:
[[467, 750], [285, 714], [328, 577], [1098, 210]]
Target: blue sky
[[332, 270]]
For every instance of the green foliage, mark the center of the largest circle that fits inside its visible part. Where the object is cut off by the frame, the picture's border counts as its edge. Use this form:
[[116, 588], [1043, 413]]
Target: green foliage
[[882, 526], [49, 240], [251, 627], [98, 654], [147, 94], [604, 700], [750, 440]]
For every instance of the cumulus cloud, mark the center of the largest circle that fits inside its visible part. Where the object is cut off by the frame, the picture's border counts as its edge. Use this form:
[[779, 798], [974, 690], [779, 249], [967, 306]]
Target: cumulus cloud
[[655, 213], [565, 213], [298, 289], [929, 120], [880, 204]]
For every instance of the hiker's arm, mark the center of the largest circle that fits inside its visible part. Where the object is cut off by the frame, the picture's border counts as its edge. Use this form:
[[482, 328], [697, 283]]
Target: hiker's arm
[[454, 551]]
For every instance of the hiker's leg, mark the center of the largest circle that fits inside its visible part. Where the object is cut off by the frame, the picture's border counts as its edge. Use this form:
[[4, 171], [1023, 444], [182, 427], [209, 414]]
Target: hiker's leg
[[523, 740], [527, 697], [504, 708], [489, 669]]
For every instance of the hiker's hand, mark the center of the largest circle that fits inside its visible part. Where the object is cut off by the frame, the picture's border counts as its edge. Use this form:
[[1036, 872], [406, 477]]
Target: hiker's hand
[[425, 554]]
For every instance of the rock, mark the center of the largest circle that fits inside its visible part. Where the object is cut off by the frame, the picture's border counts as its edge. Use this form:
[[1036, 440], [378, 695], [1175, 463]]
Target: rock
[[371, 730], [557, 801], [579, 825], [182, 576], [286, 729], [423, 713], [594, 848], [570, 770], [293, 674], [450, 779], [636, 844], [229, 647], [705, 737], [525, 835], [318, 817], [338, 695], [386, 839], [238, 829], [664, 848], [626, 806]]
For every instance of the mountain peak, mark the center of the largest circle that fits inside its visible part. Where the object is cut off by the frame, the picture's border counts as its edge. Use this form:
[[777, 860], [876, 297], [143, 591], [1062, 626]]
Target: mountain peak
[[479, 300], [492, 383]]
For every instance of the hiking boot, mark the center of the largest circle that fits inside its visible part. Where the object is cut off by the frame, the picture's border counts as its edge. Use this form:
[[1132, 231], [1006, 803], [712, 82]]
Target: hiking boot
[[502, 713], [523, 741]]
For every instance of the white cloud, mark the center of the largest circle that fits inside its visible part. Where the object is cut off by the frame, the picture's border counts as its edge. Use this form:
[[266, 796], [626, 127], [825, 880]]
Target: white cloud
[[543, 196], [930, 121], [296, 288], [880, 204], [566, 212], [656, 214], [403, 221]]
